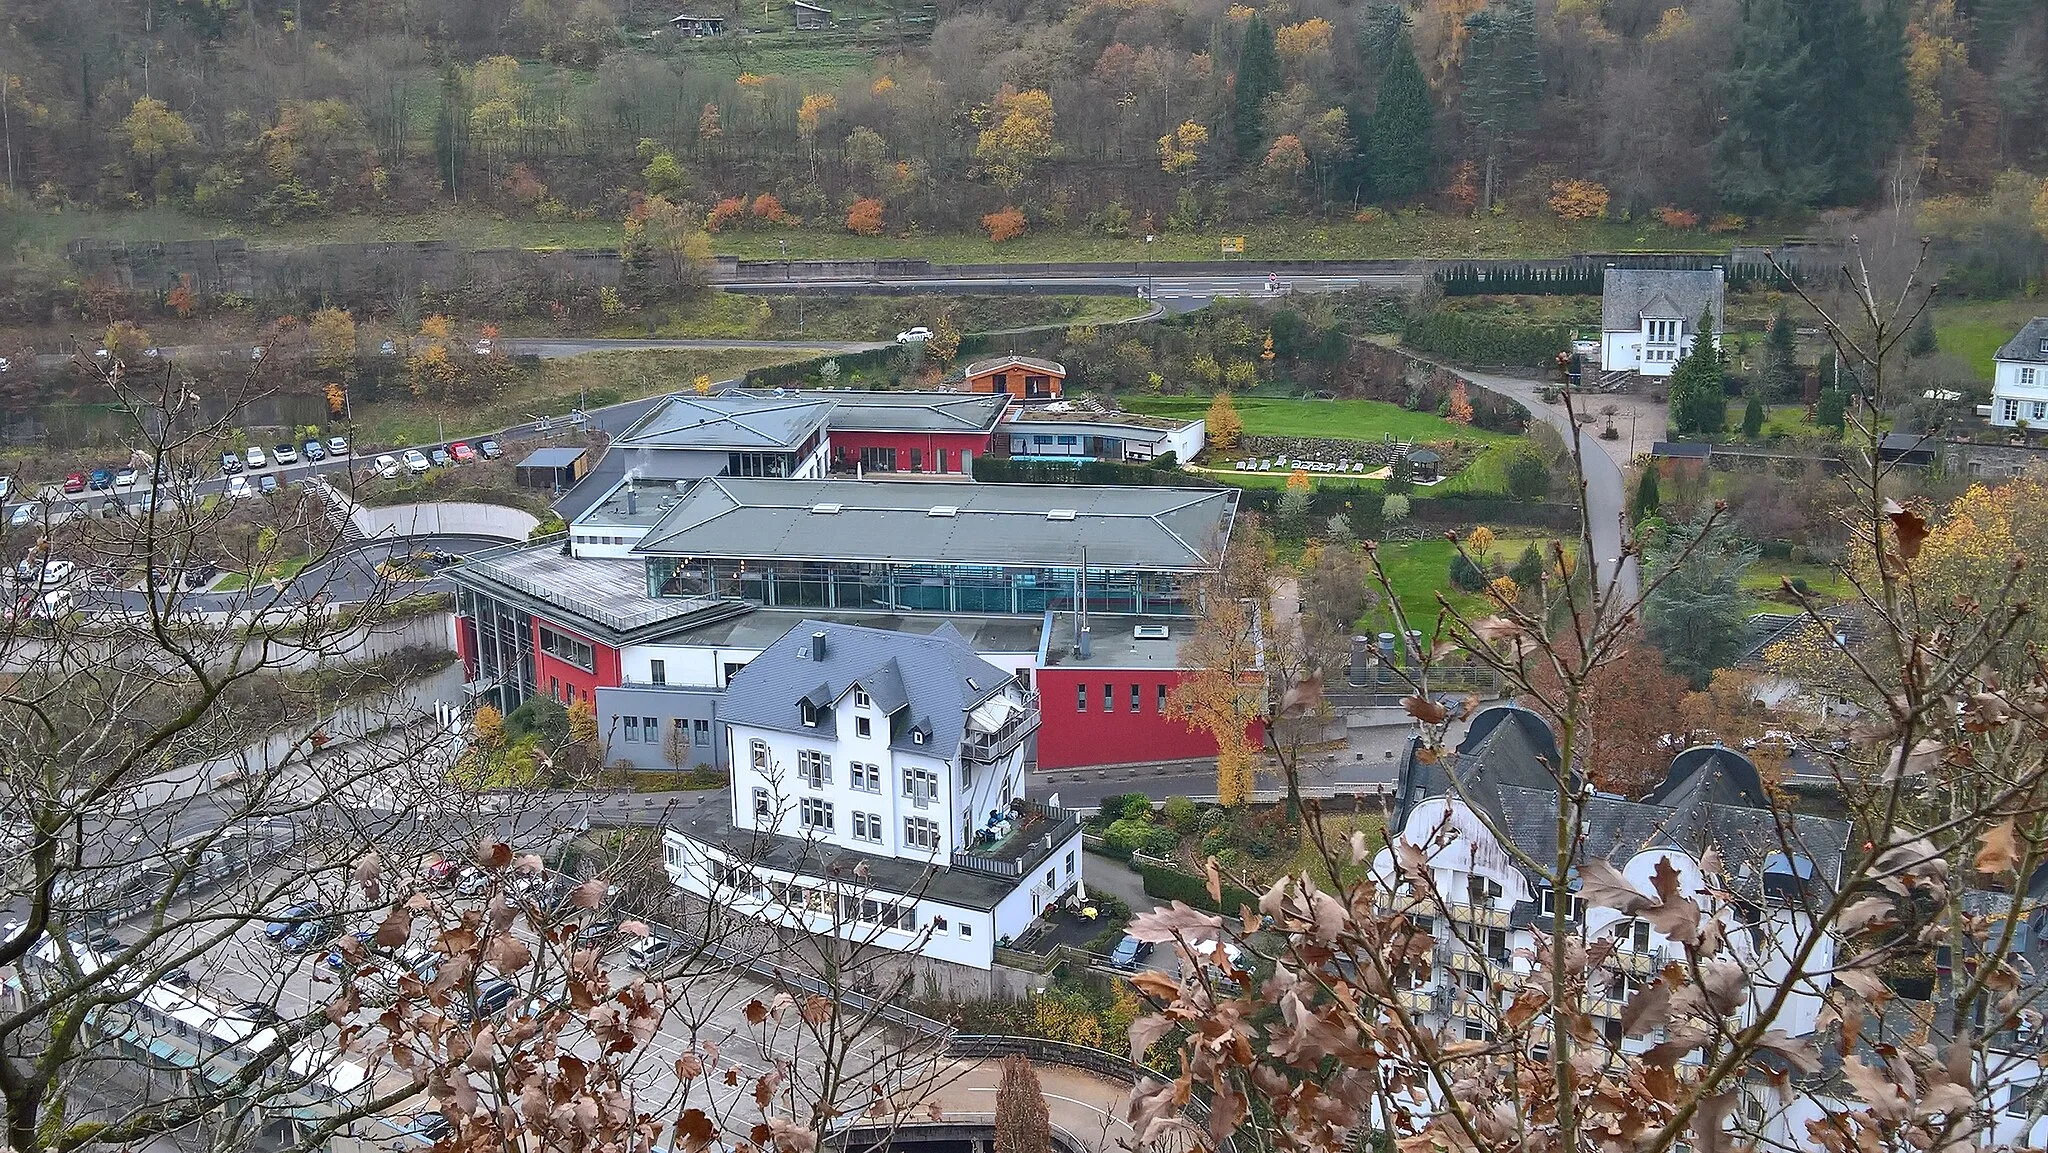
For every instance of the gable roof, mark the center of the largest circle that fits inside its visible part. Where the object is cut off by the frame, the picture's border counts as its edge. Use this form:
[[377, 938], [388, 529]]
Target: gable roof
[[2028, 343], [1712, 797], [935, 676], [1629, 294], [1148, 529], [725, 422], [995, 362]]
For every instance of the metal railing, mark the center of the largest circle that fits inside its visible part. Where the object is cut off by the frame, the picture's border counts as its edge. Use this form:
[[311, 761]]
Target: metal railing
[[765, 970], [988, 748], [1043, 842], [1096, 1061]]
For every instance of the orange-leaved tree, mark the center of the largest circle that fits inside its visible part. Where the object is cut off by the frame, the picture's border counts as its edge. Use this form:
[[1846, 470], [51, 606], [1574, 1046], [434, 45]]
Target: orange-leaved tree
[[1004, 224], [865, 217]]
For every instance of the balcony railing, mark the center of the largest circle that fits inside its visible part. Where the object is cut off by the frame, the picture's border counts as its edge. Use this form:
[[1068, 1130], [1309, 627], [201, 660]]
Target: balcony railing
[[988, 748], [1027, 847]]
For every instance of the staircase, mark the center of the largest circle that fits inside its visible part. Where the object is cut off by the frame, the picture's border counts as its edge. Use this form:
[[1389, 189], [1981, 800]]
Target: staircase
[[1616, 380]]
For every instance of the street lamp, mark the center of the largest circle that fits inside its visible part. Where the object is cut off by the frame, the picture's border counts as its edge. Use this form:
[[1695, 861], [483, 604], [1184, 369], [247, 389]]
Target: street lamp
[[787, 273]]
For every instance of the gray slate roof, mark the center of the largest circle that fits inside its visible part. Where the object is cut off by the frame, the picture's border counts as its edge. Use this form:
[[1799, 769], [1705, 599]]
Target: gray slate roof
[[936, 676], [605, 599], [2030, 343], [728, 422], [921, 411], [1147, 529], [1629, 294], [1711, 797]]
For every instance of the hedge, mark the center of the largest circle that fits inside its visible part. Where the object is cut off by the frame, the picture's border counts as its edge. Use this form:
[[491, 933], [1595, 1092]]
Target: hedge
[[1171, 884], [1487, 340], [1589, 279]]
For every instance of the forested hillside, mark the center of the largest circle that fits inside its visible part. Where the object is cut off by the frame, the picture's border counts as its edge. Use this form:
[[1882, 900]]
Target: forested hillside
[[1118, 116]]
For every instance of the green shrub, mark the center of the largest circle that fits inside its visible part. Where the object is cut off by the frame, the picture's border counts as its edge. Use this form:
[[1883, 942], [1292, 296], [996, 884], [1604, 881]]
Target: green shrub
[[1112, 808], [1137, 807], [1160, 841], [1475, 339], [1130, 835], [1183, 814], [1170, 884], [704, 777], [1465, 573]]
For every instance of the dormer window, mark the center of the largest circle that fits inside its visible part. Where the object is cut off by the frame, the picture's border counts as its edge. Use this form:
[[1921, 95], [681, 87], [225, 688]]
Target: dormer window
[[917, 736], [809, 713], [861, 700], [2044, 346]]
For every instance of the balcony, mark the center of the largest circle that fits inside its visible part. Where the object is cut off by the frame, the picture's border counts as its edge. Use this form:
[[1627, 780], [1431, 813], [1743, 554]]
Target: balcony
[[988, 748], [1484, 915], [1040, 830]]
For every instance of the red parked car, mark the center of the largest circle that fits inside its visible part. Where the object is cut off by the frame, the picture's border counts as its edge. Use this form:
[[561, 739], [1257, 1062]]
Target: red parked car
[[75, 482], [461, 451]]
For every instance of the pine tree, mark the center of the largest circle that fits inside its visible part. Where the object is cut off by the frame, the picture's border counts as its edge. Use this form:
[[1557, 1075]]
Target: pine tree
[[1753, 417], [1258, 76], [1696, 611], [1699, 401], [1922, 342], [1781, 367], [1503, 81], [1397, 135], [1647, 497], [1023, 1123]]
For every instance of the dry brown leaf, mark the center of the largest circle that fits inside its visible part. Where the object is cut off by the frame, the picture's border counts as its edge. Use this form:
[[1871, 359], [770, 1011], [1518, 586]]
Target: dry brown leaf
[[1177, 920], [494, 854], [1425, 710], [1146, 1032], [1214, 873], [1910, 528], [1154, 983], [1998, 849]]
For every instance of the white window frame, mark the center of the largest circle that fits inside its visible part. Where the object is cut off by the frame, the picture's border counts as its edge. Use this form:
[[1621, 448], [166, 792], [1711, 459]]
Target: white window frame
[[921, 833], [2026, 375], [815, 814], [814, 768], [928, 794], [861, 700], [763, 805], [757, 754]]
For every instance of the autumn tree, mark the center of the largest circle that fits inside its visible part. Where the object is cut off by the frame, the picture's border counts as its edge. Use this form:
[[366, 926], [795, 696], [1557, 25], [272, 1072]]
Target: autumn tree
[[1003, 225], [127, 341], [334, 337], [1023, 1124], [864, 218], [1018, 138], [155, 136], [1578, 199], [944, 342], [1181, 149], [487, 727], [1224, 425], [1460, 402], [1637, 700]]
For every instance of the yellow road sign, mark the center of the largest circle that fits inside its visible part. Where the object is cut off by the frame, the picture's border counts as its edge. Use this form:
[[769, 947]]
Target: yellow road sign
[[1234, 244]]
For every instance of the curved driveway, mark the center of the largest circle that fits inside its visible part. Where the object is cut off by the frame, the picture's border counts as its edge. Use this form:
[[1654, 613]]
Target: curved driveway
[[1605, 502]]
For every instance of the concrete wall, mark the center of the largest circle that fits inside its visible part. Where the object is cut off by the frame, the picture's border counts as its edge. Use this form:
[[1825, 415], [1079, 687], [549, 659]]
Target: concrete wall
[[463, 518], [666, 707], [344, 272]]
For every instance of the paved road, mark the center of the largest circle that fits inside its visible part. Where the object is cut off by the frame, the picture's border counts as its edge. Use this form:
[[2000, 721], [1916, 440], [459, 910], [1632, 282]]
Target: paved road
[[552, 348], [1605, 502], [1162, 288]]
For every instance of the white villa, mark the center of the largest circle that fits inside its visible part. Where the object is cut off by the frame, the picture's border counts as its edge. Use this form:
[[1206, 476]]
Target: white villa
[[1649, 316], [2019, 379], [877, 795]]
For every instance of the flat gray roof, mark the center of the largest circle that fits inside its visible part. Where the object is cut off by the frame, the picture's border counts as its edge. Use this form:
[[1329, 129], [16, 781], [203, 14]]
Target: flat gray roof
[[607, 596], [762, 627], [553, 457], [1048, 414], [730, 422], [1113, 643], [1143, 529], [649, 501]]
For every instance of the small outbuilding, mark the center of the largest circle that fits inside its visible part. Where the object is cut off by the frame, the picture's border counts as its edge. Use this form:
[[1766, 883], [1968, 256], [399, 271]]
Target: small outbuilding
[[1424, 464], [554, 469], [810, 17], [696, 27]]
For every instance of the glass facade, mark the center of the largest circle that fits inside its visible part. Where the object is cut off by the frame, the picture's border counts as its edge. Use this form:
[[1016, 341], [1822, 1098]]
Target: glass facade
[[857, 586], [504, 648]]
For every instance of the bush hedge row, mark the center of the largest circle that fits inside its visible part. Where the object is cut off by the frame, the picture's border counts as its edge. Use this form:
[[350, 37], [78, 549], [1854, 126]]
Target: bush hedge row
[[1473, 339], [1171, 884]]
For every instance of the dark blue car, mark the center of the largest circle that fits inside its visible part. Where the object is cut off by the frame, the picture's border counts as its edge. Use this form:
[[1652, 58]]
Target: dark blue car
[[290, 919], [334, 960], [102, 479]]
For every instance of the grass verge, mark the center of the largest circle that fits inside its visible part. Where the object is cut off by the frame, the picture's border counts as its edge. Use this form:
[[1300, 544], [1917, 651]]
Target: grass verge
[[1360, 420]]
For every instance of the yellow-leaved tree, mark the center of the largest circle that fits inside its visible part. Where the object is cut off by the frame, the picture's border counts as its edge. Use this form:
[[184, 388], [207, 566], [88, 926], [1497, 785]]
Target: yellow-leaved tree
[[1181, 149], [1018, 137], [1225, 426]]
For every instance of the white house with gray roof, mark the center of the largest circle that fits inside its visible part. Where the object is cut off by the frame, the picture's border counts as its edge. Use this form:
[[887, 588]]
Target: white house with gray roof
[[878, 794], [2019, 379], [1649, 316]]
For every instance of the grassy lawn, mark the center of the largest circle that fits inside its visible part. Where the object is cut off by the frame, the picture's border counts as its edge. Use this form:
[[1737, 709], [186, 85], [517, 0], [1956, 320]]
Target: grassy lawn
[[1420, 569], [283, 570], [1973, 329], [594, 379], [1400, 234], [1360, 420], [1826, 582], [1337, 830]]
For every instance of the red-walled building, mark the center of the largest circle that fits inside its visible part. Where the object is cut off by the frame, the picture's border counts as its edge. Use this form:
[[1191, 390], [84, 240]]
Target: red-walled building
[[1108, 707], [914, 432]]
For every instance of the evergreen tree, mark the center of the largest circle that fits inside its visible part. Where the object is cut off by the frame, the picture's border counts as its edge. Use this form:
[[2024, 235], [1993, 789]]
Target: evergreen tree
[[1258, 76], [1503, 80], [1696, 613], [1781, 362], [1832, 410], [1753, 417], [1647, 497], [1921, 342], [1397, 135], [1699, 400], [1814, 100]]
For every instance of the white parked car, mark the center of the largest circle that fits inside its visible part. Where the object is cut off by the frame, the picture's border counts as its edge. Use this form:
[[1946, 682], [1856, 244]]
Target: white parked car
[[238, 486], [387, 466], [917, 335], [256, 457], [6, 485], [416, 462], [125, 478], [57, 572], [23, 514]]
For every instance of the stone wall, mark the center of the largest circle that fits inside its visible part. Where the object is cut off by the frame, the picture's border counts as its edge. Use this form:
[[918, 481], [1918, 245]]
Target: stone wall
[[337, 272], [1993, 460]]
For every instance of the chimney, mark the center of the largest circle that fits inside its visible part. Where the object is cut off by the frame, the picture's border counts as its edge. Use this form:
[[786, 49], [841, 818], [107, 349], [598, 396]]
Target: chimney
[[818, 646], [1084, 643], [632, 500]]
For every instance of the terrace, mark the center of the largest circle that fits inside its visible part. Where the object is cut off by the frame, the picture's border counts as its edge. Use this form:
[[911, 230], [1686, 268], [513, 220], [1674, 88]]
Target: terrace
[[1019, 842]]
